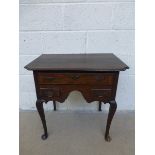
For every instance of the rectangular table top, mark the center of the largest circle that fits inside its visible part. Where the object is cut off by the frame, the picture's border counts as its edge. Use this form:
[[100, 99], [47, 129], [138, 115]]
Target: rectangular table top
[[77, 62]]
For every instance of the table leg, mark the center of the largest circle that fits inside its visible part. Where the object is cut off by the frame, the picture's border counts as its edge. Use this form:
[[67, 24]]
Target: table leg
[[40, 108], [54, 105], [112, 110], [100, 105]]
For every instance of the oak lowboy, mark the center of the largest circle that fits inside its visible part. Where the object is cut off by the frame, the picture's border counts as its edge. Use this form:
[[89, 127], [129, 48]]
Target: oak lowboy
[[94, 75]]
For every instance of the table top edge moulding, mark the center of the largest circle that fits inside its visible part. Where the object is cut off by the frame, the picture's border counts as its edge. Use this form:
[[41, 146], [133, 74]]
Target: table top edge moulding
[[77, 62], [94, 75]]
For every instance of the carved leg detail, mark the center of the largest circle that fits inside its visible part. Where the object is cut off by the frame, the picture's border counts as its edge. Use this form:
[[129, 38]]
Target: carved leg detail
[[54, 105], [39, 105], [100, 105], [112, 110]]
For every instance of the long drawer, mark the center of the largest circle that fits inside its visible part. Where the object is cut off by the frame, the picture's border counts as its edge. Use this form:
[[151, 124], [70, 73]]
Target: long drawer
[[76, 78]]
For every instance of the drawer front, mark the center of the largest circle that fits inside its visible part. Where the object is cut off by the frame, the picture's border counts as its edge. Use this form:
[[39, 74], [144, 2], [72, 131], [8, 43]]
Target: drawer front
[[77, 78], [101, 94], [89, 92], [49, 92]]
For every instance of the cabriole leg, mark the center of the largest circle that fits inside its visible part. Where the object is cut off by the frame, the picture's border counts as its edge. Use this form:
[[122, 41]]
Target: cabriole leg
[[40, 108], [112, 110]]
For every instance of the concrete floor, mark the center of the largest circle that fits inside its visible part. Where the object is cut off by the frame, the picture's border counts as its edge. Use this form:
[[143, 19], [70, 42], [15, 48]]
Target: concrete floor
[[77, 133]]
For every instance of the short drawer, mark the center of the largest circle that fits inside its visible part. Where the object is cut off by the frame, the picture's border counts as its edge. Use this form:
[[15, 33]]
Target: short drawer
[[101, 94], [49, 92], [76, 78]]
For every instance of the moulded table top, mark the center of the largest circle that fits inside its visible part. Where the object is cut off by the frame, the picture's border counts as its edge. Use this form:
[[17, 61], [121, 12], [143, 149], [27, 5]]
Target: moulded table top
[[77, 62]]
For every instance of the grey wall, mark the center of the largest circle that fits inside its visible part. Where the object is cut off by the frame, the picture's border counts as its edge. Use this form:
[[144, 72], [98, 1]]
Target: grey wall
[[77, 26]]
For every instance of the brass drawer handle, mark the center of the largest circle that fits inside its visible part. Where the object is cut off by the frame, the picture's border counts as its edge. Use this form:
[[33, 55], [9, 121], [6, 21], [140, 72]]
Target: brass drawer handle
[[50, 78], [100, 96], [75, 77], [47, 93], [50, 94], [98, 78], [101, 92]]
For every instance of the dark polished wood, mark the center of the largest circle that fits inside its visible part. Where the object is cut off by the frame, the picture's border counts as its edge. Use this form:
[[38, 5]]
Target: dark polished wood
[[77, 62], [75, 78], [39, 105], [94, 75], [112, 110]]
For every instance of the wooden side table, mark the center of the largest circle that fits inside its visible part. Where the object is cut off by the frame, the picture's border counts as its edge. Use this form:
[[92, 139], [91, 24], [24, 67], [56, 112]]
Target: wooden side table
[[94, 75]]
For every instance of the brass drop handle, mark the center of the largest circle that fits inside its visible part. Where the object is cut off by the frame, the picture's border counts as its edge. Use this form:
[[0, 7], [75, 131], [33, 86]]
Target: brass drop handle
[[50, 94], [98, 78], [47, 92], [50, 78], [75, 77], [100, 96]]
